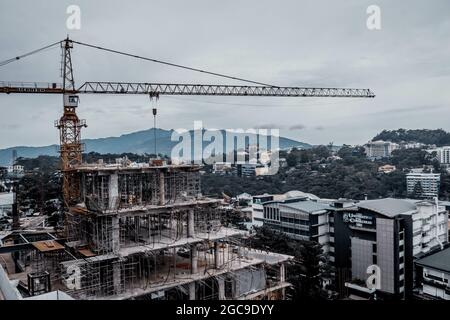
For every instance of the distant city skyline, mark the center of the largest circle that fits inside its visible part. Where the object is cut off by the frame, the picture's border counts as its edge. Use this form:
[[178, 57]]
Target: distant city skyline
[[306, 43]]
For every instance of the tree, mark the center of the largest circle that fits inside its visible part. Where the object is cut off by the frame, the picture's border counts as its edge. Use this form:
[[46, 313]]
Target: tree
[[438, 137], [444, 190], [291, 160], [309, 271], [321, 152], [306, 271], [417, 191], [268, 239], [410, 158]]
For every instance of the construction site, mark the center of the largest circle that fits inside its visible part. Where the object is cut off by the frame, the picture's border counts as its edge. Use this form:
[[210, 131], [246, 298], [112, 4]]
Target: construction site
[[138, 230], [143, 231]]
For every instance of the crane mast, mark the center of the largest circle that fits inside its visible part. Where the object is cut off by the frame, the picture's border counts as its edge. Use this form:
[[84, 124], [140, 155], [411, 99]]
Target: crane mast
[[69, 125]]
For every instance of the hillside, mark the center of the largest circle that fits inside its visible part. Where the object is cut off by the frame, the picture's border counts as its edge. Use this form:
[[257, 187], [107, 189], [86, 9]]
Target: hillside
[[438, 137], [139, 142]]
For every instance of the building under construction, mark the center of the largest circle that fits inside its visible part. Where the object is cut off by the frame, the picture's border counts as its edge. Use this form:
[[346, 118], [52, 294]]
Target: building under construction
[[141, 231]]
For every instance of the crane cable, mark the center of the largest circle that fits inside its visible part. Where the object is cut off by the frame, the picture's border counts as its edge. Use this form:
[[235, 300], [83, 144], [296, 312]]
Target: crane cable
[[8, 61], [172, 64]]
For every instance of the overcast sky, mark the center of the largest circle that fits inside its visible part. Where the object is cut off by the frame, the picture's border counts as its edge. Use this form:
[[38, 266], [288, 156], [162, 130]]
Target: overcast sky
[[285, 43]]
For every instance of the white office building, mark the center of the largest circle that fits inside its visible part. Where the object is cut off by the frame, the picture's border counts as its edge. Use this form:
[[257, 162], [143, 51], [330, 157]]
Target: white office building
[[390, 233], [222, 168], [443, 155], [258, 209], [430, 227], [380, 149], [259, 200], [425, 184], [434, 275], [15, 171], [299, 219]]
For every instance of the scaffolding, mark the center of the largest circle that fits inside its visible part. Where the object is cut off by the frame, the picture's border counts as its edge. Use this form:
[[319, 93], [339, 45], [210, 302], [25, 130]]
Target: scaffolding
[[146, 232], [124, 187]]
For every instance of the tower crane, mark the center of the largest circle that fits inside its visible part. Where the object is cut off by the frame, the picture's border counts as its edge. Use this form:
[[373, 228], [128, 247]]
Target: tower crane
[[69, 125]]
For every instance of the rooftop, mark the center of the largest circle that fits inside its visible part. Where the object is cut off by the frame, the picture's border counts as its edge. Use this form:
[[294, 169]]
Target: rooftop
[[307, 206], [379, 142], [134, 166], [298, 194], [421, 173], [439, 260], [6, 198], [389, 207], [291, 196]]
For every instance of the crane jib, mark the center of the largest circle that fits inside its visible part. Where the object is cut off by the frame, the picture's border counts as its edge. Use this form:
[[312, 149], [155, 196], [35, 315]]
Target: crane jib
[[156, 89]]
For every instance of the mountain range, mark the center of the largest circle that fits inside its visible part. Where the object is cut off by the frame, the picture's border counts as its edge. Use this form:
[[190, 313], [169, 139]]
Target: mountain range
[[139, 142]]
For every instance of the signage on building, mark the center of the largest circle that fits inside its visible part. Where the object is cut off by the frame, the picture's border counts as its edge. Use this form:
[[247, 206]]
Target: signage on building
[[358, 219]]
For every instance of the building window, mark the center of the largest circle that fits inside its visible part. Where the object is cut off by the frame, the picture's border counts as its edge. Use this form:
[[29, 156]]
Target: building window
[[374, 247]]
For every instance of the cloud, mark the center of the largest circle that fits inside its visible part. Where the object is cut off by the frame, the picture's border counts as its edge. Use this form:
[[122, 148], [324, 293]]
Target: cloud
[[405, 64], [297, 127], [421, 108], [12, 126], [269, 126]]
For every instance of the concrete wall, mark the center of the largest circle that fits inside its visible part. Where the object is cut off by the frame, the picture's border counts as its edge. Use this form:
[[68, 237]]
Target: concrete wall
[[362, 257], [435, 292], [248, 280], [8, 290], [385, 253]]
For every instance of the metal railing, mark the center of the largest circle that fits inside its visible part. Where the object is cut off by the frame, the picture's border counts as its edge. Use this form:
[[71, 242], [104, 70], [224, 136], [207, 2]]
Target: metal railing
[[31, 85]]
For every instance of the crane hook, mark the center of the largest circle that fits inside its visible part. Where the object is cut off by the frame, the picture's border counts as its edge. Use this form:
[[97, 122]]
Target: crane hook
[[154, 97]]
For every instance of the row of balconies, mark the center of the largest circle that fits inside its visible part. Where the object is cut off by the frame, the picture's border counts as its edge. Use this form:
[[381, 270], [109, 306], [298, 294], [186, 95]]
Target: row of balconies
[[437, 284]]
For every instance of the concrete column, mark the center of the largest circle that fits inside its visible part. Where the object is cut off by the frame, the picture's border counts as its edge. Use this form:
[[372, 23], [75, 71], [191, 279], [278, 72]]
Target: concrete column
[[117, 277], [283, 279], [192, 291], [174, 263], [221, 285], [216, 255], [137, 227], [15, 209], [194, 259], [149, 227], [282, 273], [162, 192], [190, 224], [115, 234], [83, 187], [113, 190]]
